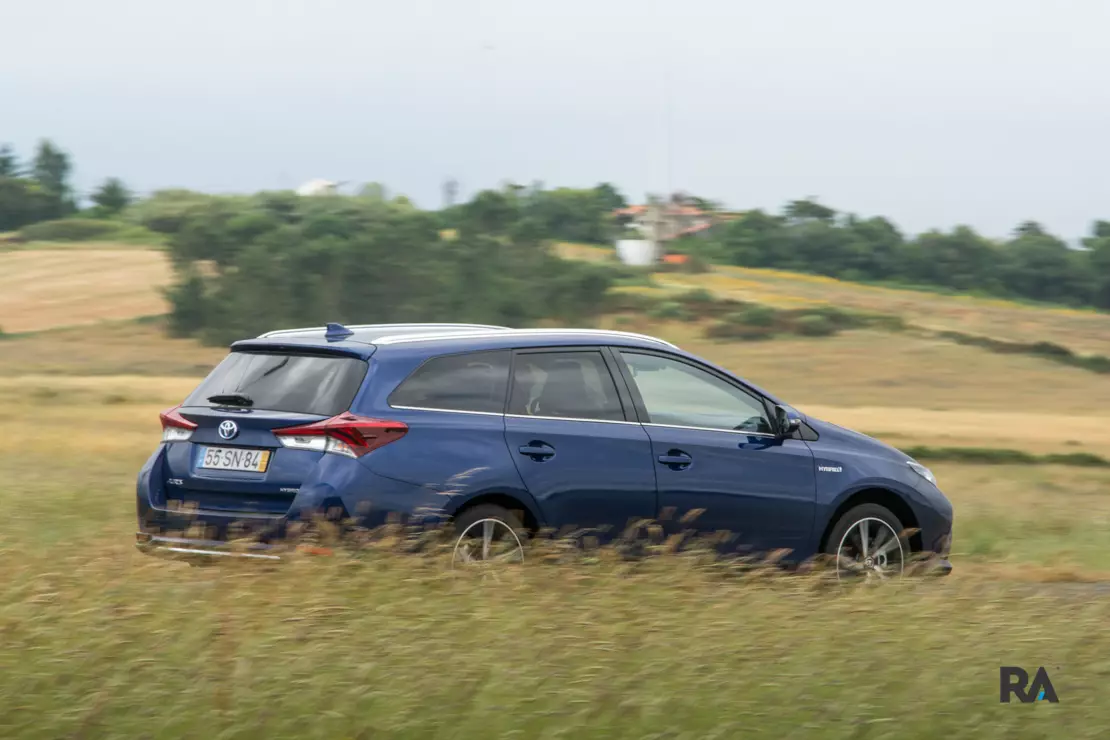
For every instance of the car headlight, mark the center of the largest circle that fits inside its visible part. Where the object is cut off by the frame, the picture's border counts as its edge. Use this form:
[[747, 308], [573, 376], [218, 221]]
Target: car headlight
[[923, 471]]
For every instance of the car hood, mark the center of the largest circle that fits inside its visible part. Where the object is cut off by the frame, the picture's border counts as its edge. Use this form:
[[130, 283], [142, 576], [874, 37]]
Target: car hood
[[833, 432]]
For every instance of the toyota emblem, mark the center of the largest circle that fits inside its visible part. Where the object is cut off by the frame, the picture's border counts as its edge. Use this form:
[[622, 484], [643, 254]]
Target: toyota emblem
[[228, 429]]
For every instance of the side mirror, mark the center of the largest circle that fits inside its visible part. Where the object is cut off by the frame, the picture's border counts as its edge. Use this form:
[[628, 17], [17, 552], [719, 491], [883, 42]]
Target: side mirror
[[787, 424]]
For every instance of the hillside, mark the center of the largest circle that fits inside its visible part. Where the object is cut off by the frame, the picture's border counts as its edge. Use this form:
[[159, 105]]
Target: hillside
[[1084, 331], [45, 288]]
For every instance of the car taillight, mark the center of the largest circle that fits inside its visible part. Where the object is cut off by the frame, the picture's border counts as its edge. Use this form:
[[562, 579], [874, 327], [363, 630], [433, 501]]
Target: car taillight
[[175, 427], [345, 434]]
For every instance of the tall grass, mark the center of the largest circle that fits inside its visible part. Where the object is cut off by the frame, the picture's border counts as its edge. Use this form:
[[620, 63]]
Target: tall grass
[[102, 643]]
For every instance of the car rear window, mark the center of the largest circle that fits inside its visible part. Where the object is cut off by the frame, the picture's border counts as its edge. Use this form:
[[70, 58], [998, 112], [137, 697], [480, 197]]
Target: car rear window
[[475, 381], [302, 384]]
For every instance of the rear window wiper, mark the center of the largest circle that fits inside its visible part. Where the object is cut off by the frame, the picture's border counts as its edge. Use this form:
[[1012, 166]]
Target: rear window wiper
[[231, 399]]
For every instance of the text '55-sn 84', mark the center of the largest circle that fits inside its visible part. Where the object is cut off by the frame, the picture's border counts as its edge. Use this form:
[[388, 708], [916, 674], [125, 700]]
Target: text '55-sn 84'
[[507, 431]]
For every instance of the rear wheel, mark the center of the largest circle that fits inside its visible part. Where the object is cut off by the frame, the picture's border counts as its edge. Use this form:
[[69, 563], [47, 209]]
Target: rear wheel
[[868, 544], [488, 536]]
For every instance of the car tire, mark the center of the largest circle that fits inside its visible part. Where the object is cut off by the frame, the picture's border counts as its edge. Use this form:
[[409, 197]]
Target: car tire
[[868, 541], [488, 532]]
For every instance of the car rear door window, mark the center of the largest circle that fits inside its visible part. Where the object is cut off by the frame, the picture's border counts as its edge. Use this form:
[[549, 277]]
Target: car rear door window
[[475, 381], [566, 385], [676, 393], [302, 384]]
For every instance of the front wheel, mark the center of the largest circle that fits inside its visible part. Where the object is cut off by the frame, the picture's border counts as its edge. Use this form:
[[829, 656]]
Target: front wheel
[[869, 544]]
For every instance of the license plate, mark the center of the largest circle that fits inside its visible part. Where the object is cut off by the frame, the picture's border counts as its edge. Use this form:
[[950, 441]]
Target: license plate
[[232, 458]]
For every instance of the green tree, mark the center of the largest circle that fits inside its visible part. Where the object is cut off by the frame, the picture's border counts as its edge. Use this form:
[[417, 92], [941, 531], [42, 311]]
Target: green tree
[[374, 191], [9, 164], [23, 202], [112, 196], [962, 259], [808, 209], [608, 197], [1098, 263], [50, 168], [1042, 267]]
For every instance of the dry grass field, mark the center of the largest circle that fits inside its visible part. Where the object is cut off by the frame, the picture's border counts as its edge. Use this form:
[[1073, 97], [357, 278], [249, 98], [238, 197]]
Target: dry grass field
[[100, 641], [1086, 332], [44, 288]]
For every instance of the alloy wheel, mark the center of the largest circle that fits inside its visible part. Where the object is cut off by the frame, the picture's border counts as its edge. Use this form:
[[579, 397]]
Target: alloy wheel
[[870, 550], [486, 543]]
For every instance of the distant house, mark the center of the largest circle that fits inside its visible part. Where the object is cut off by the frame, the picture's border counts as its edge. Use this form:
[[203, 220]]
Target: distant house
[[318, 187], [661, 222]]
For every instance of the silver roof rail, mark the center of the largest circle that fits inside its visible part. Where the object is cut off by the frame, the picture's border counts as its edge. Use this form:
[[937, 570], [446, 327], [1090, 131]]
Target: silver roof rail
[[432, 336], [355, 327]]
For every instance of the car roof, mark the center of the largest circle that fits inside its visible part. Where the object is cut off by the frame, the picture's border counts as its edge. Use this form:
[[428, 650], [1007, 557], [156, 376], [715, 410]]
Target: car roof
[[370, 333], [364, 340], [425, 340], [521, 338]]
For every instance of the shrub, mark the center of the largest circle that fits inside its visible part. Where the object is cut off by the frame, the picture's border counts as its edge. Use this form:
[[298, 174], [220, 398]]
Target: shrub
[[696, 296], [754, 316], [669, 310], [1051, 350], [620, 300], [727, 328], [1094, 363], [69, 230], [700, 302], [815, 326]]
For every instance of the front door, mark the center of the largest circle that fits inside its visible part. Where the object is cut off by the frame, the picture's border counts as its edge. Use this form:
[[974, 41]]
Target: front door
[[586, 462], [715, 449]]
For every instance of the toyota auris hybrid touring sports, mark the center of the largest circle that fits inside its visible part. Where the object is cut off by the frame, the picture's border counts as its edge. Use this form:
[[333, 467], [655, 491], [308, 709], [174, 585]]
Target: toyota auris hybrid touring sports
[[510, 431]]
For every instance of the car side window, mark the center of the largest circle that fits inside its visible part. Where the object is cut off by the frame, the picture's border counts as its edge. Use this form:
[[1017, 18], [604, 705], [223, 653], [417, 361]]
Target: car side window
[[475, 381], [572, 385], [676, 393]]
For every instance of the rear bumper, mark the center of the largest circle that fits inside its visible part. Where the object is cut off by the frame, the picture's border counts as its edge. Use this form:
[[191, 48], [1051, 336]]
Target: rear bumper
[[194, 549]]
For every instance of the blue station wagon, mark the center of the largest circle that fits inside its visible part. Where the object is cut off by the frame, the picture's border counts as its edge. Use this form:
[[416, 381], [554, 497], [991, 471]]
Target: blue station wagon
[[511, 431]]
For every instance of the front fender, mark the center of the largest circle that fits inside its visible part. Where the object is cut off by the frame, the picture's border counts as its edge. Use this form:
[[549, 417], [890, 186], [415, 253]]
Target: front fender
[[913, 498]]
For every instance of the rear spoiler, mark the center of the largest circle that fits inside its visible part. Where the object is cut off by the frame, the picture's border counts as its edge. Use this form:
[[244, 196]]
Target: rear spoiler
[[292, 346]]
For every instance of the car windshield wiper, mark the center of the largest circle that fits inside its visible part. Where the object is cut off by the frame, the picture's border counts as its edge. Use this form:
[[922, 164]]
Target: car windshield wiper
[[231, 399]]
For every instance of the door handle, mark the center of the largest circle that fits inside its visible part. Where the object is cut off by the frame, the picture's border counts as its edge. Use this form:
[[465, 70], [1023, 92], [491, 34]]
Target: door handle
[[538, 451], [676, 460]]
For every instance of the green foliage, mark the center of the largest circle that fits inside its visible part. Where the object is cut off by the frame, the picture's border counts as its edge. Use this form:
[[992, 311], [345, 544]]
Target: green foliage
[[755, 316], [814, 326], [701, 303], [669, 310], [1047, 350], [248, 264], [80, 229], [39, 194], [746, 324], [69, 230], [22, 202], [9, 163], [810, 237], [112, 197], [998, 456], [563, 214]]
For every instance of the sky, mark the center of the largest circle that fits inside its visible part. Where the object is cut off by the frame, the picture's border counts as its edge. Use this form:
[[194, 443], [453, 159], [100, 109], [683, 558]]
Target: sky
[[934, 114]]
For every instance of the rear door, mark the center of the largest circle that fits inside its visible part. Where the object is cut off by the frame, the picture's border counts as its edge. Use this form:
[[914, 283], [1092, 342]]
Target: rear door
[[233, 463], [714, 449], [576, 444]]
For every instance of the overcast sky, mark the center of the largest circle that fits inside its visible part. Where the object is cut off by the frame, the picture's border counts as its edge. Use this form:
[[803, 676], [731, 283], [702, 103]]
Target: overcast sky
[[984, 112]]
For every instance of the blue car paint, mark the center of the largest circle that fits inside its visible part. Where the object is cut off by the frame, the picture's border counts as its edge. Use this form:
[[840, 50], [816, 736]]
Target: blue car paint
[[771, 492]]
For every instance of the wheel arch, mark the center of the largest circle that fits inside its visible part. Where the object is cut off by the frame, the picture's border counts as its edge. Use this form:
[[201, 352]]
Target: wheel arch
[[515, 501], [885, 497]]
